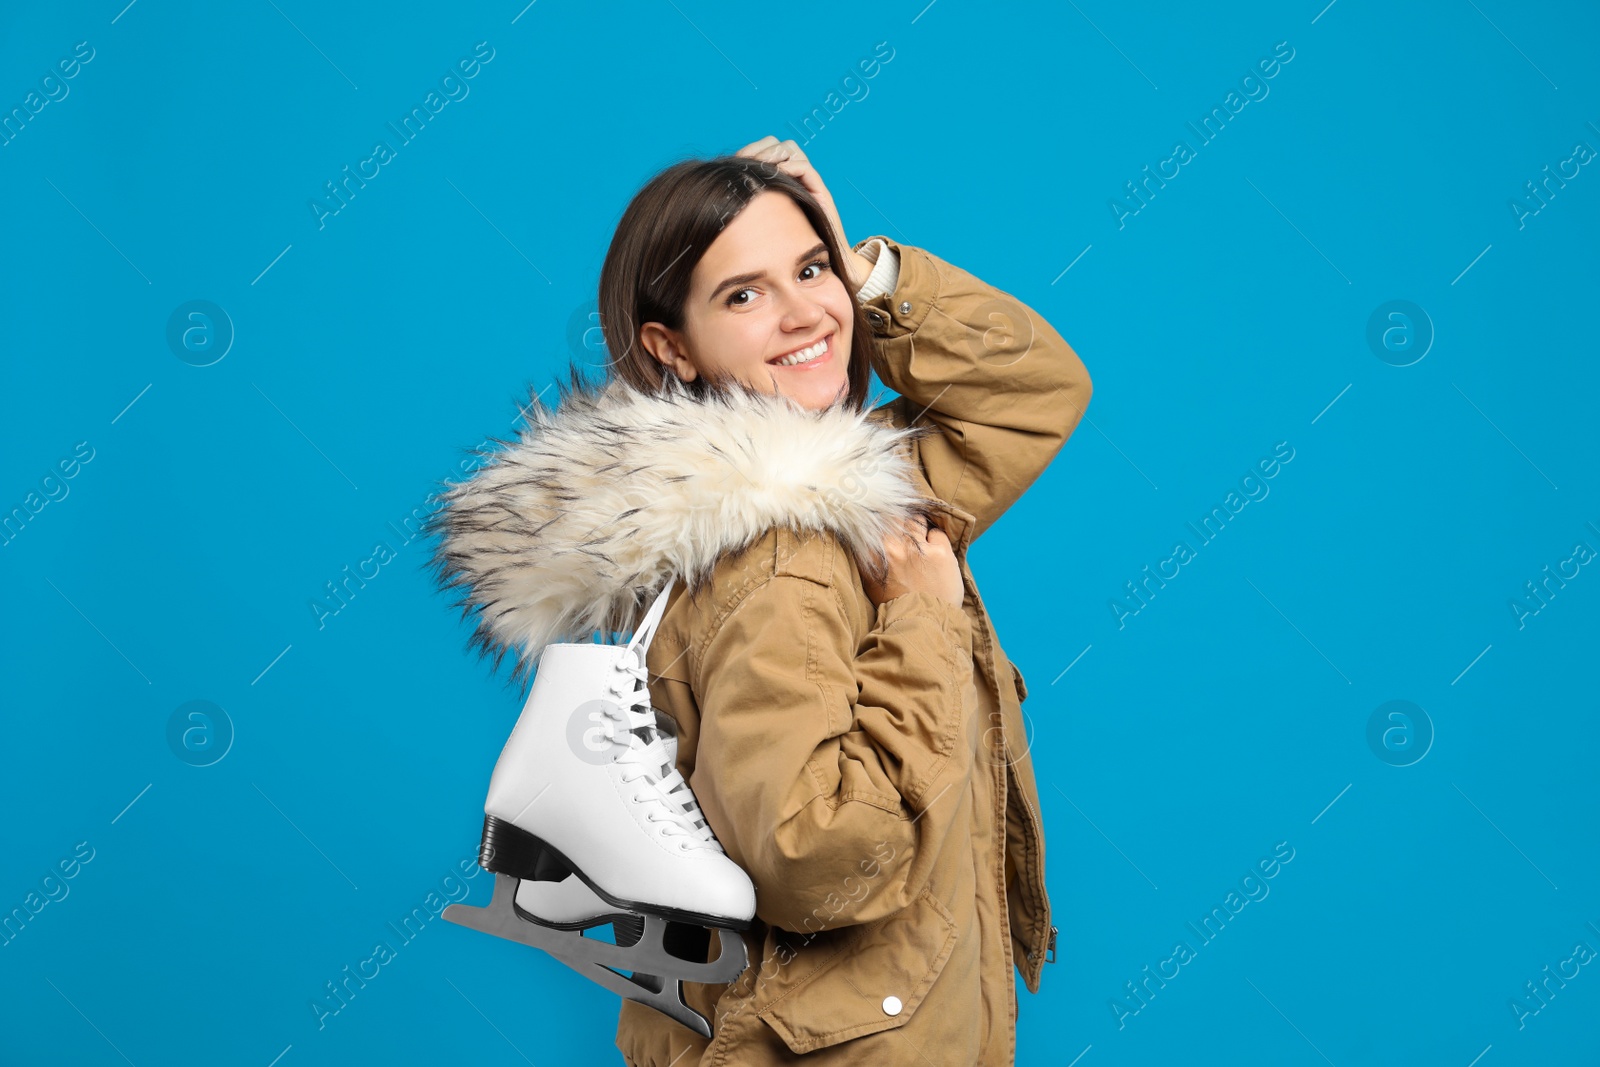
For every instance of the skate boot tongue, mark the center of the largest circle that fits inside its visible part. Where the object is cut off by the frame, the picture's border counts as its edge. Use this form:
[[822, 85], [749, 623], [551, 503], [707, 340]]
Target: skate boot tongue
[[670, 795], [666, 793]]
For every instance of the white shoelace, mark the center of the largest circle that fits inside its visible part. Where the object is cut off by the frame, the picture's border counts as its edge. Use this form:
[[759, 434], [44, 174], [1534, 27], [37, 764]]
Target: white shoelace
[[679, 815]]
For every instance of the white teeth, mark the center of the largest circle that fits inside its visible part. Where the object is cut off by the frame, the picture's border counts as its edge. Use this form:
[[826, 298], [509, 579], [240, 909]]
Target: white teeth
[[805, 355]]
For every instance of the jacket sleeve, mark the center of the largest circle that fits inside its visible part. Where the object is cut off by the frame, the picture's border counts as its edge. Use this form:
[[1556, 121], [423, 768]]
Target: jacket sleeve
[[1003, 388], [824, 774]]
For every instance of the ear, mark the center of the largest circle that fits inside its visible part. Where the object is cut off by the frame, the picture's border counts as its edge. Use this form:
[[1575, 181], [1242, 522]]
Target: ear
[[666, 345]]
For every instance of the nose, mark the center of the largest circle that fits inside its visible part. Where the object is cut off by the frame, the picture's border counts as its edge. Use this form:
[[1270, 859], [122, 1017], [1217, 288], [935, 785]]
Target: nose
[[800, 310]]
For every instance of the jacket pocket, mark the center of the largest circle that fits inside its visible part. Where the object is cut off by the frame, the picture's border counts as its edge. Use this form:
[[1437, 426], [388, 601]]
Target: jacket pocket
[[873, 980], [1022, 688]]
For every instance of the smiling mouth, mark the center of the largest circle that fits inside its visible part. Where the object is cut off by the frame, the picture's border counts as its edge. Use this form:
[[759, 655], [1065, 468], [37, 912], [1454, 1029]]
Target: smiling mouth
[[802, 356]]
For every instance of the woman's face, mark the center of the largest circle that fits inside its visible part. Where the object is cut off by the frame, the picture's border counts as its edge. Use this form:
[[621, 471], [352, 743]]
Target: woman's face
[[763, 293]]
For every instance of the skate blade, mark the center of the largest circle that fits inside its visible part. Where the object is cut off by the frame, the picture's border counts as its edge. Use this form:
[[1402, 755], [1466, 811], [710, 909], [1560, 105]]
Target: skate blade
[[600, 961]]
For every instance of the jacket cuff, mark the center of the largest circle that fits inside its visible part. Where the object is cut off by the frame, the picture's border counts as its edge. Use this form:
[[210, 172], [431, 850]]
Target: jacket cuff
[[920, 605], [885, 270], [915, 289]]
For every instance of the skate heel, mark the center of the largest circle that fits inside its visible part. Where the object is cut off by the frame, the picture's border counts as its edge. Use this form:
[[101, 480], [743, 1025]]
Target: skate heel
[[508, 849]]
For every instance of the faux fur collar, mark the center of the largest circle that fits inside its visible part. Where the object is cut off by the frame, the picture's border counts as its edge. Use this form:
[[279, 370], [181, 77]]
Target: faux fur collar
[[576, 525]]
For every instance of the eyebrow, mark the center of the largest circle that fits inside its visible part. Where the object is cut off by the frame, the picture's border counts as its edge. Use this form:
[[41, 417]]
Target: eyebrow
[[755, 276]]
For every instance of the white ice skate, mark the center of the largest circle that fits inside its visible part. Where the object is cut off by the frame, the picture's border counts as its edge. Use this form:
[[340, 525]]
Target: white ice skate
[[589, 822]]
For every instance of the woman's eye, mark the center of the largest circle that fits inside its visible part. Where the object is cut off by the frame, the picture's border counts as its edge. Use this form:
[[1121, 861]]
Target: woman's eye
[[733, 297]]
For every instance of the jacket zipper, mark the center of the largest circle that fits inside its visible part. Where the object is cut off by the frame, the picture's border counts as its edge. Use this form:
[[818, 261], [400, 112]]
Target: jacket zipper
[[1050, 953]]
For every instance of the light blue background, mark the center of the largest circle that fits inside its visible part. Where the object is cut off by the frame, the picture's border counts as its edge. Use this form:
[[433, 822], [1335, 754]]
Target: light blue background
[[1227, 315]]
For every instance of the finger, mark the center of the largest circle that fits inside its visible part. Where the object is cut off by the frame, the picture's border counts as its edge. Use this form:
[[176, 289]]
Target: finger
[[791, 158], [797, 169], [767, 148], [908, 532], [772, 157], [754, 146], [916, 539]]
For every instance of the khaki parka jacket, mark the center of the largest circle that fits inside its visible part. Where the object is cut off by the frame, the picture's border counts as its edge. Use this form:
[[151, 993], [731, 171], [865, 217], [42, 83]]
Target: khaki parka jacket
[[867, 765]]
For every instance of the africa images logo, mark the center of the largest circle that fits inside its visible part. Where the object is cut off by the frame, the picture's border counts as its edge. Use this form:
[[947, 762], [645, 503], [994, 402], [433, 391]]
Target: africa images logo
[[593, 731]]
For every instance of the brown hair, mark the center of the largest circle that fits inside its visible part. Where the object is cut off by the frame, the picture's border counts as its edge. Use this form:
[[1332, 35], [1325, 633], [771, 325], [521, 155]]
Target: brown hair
[[665, 230]]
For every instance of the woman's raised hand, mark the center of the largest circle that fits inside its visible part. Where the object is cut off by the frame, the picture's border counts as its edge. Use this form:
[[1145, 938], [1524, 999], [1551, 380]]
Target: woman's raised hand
[[920, 560], [787, 157]]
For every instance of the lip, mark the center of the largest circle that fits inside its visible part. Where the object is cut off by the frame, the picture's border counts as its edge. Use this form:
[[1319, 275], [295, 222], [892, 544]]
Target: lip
[[825, 358]]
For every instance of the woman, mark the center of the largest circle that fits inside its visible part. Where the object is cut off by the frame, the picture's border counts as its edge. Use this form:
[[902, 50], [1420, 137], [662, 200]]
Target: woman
[[844, 714]]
